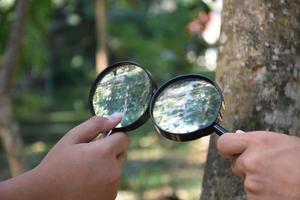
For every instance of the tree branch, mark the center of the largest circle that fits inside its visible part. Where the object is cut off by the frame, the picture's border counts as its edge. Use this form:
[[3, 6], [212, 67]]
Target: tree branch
[[11, 55]]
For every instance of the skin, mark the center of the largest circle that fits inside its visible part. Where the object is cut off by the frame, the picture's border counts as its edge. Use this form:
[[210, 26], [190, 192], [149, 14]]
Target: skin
[[269, 163], [76, 167]]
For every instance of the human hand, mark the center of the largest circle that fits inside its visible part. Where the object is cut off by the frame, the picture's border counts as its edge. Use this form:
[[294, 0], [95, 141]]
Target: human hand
[[75, 168], [268, 161]]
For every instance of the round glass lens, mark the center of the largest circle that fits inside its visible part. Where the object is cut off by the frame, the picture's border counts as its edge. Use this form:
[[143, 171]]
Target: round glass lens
[[186, 106], [124, 90]]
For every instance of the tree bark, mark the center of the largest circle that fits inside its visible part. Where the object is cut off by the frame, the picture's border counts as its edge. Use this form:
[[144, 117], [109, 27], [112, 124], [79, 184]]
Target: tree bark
[[259, 73], [10, 136], [101, 27]]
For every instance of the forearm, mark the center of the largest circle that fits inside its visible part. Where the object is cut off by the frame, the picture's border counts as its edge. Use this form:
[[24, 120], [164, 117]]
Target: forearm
[[27, 186]]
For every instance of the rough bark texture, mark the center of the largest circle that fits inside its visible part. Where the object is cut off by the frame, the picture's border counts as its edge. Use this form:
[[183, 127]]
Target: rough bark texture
[[101, 25], [9, 134], [259, 73]]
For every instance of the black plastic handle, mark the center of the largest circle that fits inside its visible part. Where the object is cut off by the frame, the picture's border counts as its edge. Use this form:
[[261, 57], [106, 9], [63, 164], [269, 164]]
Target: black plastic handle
[[219, 129]]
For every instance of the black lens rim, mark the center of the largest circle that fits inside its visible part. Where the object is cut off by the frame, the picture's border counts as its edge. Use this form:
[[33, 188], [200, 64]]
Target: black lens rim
[[209, 129], [146, 115]]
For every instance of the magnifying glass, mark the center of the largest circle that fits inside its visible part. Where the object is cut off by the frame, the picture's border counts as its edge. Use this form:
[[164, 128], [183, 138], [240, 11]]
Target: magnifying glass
[[187, 107], [123, 88]]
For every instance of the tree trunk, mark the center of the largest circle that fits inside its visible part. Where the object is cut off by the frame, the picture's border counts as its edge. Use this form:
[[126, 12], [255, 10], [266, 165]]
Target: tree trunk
[[10, 137], [259, 73], [101, 26]]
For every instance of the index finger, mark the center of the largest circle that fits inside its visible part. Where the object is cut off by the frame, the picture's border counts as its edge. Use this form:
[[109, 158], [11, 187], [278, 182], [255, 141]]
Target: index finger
[[88, 130], [117, 143], [232, 144]]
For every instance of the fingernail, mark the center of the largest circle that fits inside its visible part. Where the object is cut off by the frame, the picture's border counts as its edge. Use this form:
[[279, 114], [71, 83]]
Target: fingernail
[[116, 117], [240, 131]]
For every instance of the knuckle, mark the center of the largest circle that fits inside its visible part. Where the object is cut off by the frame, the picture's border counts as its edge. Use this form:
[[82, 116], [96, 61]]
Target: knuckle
[[72, 132], [250, 163], [114, 176], [251, 186], [124, 138], [97, 119], [221, 143], [106, 150], [261, 138], [235, 170]]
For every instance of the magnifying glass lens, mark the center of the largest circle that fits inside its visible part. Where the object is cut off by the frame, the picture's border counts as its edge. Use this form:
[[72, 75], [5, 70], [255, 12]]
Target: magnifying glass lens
[[186, 106], [126, 90]]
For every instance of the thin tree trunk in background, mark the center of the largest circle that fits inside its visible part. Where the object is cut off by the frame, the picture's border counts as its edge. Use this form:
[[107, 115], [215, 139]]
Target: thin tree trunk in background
[[101, 27], [259, 73], [9, 133]]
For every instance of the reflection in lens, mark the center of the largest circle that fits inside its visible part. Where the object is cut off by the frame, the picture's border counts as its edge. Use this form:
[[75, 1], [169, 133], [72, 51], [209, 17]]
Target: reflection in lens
[[124, 90], [186, 106]]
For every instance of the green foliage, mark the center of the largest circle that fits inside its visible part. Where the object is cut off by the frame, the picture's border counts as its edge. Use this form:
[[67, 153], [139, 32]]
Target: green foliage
[[156, 38], [35, 53], [59, 44]]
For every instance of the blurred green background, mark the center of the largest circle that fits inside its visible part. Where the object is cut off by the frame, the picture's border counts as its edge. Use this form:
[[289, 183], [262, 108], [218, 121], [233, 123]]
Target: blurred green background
[[57, 68]]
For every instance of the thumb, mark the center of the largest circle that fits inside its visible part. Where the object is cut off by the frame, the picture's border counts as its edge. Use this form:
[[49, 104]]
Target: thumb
[[232, 144], [89, 129]]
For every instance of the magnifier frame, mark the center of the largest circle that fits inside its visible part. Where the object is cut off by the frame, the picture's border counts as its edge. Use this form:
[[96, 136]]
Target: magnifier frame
[[145, 116], [207, 130]]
